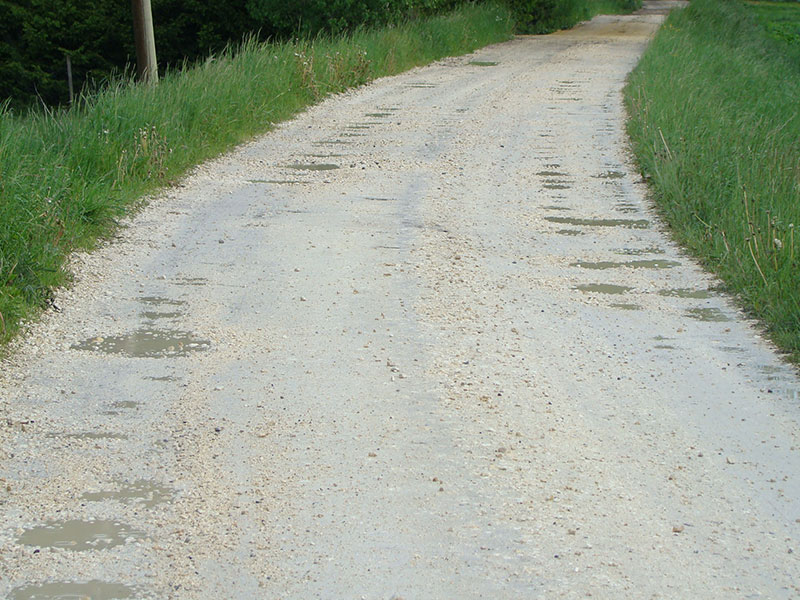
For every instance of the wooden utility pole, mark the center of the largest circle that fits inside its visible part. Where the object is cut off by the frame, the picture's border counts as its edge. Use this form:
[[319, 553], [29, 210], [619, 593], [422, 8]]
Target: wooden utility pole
[[146, 65]]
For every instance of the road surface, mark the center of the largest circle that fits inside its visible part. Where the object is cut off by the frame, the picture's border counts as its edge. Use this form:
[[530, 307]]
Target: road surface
[[426, 341]]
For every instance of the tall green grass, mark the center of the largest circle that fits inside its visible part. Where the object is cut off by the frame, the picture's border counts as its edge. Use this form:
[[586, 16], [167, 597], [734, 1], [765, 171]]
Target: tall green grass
[[67, 177], [715, 127]]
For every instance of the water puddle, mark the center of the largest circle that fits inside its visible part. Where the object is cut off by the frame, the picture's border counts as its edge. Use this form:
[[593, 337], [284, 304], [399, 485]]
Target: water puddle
[[379, 115], [627, 208], [483, 63], [610, 175], [556, 186], [639, 251], [158, 300], [130, 404], [635, 264], [664, 347], [360, 126], [708, 315], [146, 343], [65, 590], [552, 174], [78, 535], [197, 281], [144, 492], [686, 293], [603, 288], [313, 166], [624, 306], [89, 435], [154, 315], [551, 207], [276, 181], [161, 378], [629, 223], [570, 232]]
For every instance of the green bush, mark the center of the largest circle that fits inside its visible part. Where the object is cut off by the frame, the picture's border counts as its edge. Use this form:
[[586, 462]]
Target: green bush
[[544, 16]]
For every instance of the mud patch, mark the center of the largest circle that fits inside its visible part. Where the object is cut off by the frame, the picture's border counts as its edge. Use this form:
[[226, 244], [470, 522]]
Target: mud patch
[[78, 535], [146, 343], [483, 63], [570, 232]]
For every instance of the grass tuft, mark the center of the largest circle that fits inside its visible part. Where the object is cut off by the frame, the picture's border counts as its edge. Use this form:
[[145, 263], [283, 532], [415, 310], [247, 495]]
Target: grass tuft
[[68, 176], [714, 127]]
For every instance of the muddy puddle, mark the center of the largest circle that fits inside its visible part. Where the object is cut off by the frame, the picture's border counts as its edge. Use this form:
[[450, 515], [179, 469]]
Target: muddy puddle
[[312, 166], [639, 251], [603, 288], [78, 535], [708, 315], [556, 186], [155, 315], [552, 174], [276, 181], [159, 301], [584, 222], [610, 175], [554, 207], [146, 343], [634, 264], [686, 293], [625, 306], [144, 492], [379, 115], [570, 232], [483, 63], [89, 435], [627, 208], [65, 590]]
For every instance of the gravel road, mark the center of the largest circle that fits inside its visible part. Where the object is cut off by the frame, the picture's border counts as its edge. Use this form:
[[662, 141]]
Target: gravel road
[[426, 341]]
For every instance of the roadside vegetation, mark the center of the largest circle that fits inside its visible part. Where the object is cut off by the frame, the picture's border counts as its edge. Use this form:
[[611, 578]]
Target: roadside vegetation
[[715, 128], [68, 175], [544, 16]]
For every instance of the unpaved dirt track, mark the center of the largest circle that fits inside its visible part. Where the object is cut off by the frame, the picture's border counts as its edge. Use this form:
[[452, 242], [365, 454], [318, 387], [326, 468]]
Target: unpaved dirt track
[[399, 378]]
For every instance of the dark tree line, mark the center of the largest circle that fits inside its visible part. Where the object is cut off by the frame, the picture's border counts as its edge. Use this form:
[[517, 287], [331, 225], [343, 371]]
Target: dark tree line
[[37, 35]]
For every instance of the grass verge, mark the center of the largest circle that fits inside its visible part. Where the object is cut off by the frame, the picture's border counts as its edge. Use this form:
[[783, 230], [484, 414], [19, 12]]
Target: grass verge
[[714, 126], [67, 177]]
